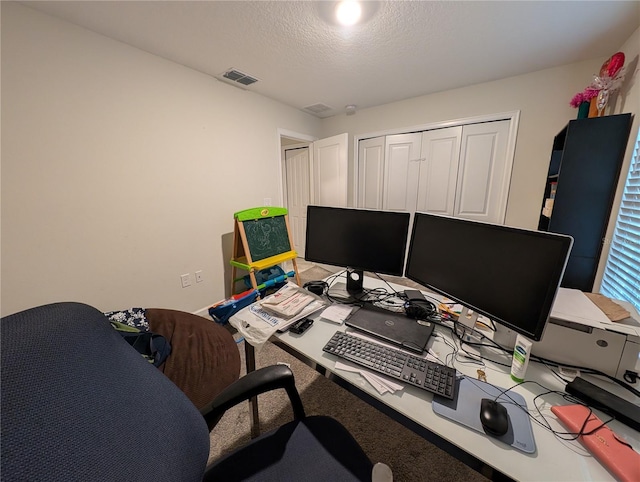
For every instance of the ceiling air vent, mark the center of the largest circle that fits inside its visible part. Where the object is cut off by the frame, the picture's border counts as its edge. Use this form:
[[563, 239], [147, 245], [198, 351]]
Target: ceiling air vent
[[239, 77], [317, 108]]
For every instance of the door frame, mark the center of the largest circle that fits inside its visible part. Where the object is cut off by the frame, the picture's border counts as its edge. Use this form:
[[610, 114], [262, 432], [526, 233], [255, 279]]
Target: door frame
[[512, 116], [305, 140]]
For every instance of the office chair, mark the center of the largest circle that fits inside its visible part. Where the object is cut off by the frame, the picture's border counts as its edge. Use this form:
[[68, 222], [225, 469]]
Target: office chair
[[79, 403]]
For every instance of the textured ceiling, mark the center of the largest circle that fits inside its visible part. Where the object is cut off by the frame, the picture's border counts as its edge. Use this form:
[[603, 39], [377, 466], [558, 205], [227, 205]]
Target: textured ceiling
[[404, 49]]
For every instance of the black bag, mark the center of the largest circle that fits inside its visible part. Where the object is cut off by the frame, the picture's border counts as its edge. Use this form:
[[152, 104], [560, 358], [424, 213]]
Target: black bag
[[153, 347]]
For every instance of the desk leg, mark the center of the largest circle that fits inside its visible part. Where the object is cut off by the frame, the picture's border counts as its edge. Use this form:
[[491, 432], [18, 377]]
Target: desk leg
[[250, 361]]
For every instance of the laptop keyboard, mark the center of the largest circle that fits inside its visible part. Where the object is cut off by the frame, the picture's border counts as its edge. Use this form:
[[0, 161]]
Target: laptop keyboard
[[418, 372]]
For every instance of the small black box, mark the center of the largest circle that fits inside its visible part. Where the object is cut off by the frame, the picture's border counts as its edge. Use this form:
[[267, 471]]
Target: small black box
[[300, 326], [414, 295]]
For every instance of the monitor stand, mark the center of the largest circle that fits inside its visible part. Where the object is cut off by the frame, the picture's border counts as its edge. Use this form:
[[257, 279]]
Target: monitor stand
[[504, 336], [355, 281], [466, 323], [353, 291]]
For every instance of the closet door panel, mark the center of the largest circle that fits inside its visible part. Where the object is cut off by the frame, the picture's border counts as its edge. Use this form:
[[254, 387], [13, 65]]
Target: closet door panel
[[484, 173], [401, 172], [370, 173], [439, 170], [330, 168]]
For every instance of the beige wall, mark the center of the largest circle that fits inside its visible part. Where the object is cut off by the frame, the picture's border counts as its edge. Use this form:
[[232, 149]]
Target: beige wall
[[121, 171]]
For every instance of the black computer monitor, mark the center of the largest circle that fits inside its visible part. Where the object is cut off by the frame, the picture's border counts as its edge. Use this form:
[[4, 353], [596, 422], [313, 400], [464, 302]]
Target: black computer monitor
[[507, 274], [358, 239]]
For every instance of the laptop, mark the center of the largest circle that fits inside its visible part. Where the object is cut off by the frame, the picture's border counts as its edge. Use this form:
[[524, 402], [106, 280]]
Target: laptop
[[395, 328]]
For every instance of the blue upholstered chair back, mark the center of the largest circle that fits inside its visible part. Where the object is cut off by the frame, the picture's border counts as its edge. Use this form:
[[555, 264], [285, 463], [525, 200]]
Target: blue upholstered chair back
[[78, 403]]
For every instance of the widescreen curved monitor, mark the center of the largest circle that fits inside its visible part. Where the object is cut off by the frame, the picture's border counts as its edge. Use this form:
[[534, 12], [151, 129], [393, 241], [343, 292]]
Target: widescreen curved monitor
[[509, 275]]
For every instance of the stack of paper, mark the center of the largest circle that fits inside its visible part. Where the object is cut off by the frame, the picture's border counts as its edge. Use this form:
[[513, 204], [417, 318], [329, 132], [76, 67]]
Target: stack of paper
[[287, 302], [293, 301]]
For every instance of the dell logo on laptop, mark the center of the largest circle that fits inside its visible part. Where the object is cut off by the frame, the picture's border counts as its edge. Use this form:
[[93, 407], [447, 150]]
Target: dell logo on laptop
[[389, 322]]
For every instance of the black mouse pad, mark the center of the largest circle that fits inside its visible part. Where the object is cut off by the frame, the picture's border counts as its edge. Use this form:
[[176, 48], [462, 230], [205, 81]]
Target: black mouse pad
[[465, 409]]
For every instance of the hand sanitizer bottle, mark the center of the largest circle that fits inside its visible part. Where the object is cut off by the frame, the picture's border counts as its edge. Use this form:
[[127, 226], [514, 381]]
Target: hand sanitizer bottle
[[521, 352]]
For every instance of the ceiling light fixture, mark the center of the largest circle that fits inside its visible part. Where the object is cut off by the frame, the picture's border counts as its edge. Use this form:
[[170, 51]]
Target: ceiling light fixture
[[348, 12], [328, 10]]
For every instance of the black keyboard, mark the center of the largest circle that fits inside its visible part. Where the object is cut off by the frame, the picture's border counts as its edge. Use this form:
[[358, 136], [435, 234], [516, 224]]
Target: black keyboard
[[425, 374]]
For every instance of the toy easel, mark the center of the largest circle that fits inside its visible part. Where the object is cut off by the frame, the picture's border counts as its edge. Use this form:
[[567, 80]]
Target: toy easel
[[261, 239]]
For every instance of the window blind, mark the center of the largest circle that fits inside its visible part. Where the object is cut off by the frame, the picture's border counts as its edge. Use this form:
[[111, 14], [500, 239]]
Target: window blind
[[621, 279]]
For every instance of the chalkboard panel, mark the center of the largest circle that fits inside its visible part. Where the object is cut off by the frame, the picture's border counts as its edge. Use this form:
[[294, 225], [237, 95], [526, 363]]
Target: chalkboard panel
[[267, 237]]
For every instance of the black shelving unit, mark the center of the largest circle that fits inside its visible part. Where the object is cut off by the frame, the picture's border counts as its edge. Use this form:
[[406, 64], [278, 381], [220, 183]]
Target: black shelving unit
[[585, 164]]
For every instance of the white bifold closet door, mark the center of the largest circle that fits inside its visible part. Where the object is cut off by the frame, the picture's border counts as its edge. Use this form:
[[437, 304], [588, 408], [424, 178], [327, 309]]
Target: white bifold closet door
[[459, 171], [484, 172]]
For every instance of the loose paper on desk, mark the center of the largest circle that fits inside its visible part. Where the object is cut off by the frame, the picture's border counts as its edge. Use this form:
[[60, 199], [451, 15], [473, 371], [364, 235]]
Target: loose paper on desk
[[380, 383], [336, 313], [257, 325]]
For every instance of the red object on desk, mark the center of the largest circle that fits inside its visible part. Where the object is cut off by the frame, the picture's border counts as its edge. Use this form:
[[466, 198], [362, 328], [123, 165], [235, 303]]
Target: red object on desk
[[620, 459]]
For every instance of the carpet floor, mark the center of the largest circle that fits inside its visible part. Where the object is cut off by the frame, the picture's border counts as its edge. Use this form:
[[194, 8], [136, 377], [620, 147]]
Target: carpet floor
[[410, 457]]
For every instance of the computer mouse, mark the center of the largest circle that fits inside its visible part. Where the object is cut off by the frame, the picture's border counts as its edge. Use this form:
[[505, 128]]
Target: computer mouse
[[494, 417]]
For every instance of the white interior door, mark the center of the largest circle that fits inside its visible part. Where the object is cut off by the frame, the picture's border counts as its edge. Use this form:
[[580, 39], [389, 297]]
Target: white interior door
[[298, 193], [484, 173], [370, 173], [329, 168]]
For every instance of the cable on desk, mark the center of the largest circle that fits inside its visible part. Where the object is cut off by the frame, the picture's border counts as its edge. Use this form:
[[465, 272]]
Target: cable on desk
[[452, 357], [546, 425], [375, 295], [395, 293], [462, 342], [571, 399], [556, 374], [589, 371], [544, 361]]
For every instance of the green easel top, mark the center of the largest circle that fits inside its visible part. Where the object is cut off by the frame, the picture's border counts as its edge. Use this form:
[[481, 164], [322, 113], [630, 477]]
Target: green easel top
[[259, 213]]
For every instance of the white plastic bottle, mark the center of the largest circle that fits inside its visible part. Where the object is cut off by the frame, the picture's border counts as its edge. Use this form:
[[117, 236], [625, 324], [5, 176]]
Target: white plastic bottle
[[521, 352]]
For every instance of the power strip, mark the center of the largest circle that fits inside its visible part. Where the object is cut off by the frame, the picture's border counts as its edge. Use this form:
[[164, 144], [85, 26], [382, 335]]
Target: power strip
[[623, 410]]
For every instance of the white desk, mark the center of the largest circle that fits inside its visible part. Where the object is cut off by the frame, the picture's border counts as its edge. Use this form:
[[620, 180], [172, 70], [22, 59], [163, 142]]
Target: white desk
[[554, 459]]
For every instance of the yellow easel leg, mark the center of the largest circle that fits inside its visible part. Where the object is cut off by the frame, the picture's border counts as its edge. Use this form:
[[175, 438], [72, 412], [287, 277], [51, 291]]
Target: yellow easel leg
[[295, 270]]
